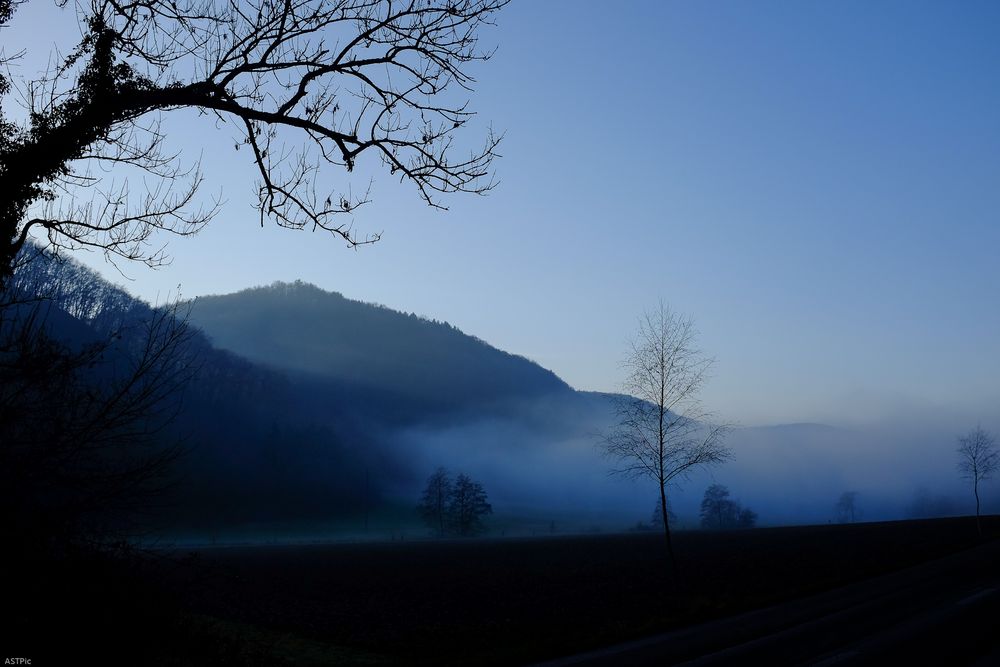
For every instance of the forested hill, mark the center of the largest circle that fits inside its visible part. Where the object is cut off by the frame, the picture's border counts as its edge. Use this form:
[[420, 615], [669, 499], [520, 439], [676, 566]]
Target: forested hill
[[254, 449], [299, 327]]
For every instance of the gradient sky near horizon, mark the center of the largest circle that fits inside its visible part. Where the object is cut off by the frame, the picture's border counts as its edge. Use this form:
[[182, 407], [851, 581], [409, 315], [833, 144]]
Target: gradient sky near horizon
[[817, 184]]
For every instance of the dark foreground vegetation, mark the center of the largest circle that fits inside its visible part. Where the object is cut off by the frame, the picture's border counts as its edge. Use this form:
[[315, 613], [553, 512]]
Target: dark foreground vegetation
[[456, 602]]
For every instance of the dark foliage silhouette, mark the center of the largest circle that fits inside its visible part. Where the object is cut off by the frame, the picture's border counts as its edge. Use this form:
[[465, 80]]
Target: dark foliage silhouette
[[468, 507], [256, 446], [87, 391], [454, 506], [720, 512], [433, 505]]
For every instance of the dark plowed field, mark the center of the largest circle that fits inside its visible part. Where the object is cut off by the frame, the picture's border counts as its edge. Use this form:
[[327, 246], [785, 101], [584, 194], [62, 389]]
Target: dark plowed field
[[502, 601]]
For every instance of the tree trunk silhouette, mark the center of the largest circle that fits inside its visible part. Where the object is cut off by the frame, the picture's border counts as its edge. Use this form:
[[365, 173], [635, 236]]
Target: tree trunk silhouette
[[979, 525], [666, 532]]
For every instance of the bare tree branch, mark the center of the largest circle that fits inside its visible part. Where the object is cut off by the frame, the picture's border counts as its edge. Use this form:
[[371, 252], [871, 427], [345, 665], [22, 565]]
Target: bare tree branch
[[306, 85]]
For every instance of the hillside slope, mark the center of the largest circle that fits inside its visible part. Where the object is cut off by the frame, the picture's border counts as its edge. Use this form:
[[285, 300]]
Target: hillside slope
[[299, 327]]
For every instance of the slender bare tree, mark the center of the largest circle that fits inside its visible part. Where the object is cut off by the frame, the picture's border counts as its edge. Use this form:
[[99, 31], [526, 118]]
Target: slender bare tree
[[662, 431], [307, 87], [977, 461]]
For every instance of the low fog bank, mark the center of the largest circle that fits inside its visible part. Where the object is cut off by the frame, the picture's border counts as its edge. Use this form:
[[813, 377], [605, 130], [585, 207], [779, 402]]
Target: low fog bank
[[552, 468], [795, 474]]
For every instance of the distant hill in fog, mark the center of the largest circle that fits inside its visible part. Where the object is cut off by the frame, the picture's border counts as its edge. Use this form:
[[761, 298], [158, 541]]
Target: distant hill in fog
[[367, 348]]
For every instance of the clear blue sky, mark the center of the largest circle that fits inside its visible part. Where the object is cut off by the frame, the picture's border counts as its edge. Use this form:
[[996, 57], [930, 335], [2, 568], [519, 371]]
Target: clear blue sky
[[816, 183]]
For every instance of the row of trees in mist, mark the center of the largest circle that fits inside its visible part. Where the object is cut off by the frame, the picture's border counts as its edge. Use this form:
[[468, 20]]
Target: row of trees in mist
[[718, 511], [978, 461]]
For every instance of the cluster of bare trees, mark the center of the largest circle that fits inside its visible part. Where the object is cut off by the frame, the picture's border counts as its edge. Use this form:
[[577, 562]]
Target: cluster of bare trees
[[454, 506], [721, 512]]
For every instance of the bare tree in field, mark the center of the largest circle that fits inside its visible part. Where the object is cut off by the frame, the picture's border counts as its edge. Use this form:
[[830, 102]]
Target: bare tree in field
[[846, 508], [662, 432], [977, 461], [308, 89]]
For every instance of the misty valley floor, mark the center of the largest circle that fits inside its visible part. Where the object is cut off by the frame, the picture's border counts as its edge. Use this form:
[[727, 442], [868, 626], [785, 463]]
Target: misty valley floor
[[494, 601]]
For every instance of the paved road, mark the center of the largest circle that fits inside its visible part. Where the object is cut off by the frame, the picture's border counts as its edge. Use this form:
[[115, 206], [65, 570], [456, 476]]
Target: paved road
[[945, 612]]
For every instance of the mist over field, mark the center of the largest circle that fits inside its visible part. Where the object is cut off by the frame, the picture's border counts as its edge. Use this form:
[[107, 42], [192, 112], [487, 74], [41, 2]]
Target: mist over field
[[314, 415], [790, 474], [535, 443]]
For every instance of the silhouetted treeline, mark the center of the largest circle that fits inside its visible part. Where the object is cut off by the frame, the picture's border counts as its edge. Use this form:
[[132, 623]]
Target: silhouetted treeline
[[88, 387], [245, 445]]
